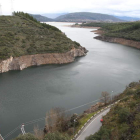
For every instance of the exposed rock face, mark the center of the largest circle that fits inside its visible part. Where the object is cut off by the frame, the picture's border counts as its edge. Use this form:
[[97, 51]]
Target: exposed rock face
[[131, 43], [20, 63]]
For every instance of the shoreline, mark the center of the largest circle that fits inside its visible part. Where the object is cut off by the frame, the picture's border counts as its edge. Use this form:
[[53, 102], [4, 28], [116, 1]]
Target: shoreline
[[122, 41], [77, 26], [22, 62]]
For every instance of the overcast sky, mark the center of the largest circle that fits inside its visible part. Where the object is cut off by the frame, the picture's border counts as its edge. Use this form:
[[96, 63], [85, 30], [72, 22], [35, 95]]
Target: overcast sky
[[112, 7]]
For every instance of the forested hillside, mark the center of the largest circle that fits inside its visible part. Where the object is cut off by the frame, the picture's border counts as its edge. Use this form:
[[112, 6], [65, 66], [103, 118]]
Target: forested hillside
[[21, 34], [123, 121], [127, 30]]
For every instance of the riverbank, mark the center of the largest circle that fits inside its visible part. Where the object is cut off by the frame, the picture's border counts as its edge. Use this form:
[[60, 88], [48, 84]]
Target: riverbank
[[20, 63], [102, 37], [78, 26], [121, 33], [122, 41]]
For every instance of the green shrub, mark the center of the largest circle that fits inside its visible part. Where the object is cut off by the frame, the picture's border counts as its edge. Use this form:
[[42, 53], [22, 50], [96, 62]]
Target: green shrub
[[123, 131], [132, 104], [56, 136], [137, 94], [23, 41], [78, 44], [130, 92], [23, 46], [116, 109], [137, 120], [125, 99], [123, 114], [27, 136], [102, 134], [133, 84], [26, 15], [70, 131]]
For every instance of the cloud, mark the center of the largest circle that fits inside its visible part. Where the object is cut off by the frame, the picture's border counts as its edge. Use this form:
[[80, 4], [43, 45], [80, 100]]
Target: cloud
[[113, 7]]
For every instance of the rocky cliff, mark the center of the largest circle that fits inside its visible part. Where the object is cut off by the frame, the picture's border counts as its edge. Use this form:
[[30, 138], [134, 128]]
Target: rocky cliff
[[20, 63], [131, 43]]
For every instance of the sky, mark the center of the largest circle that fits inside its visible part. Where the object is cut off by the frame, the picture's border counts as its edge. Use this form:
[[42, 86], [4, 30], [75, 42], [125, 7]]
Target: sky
[[129, 8]]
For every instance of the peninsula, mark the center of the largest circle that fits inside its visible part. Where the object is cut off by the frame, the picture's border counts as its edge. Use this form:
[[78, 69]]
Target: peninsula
[[26, 42]]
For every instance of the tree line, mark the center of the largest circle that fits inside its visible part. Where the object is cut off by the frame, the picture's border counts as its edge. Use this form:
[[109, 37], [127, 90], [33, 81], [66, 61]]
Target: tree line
[[28, 16]]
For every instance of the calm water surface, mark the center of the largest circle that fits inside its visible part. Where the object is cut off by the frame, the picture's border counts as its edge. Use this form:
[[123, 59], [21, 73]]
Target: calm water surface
[[27, 95]]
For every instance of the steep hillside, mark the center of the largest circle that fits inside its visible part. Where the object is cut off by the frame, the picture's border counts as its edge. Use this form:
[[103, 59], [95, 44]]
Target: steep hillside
[[23, 39], [42, 18], [22, 35], [86, 16], [123, 121]]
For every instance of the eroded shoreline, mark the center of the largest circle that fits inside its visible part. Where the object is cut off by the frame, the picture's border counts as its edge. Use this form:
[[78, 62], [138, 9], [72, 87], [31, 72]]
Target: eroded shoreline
[[22, 62], [122, 41]]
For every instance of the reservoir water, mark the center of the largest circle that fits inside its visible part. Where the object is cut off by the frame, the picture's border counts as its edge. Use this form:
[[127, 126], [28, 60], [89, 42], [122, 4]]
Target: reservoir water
[[27, 95]]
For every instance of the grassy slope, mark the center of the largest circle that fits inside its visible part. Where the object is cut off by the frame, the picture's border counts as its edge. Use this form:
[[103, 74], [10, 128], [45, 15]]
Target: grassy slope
[[123, 121], [21, 36], [128, 30]]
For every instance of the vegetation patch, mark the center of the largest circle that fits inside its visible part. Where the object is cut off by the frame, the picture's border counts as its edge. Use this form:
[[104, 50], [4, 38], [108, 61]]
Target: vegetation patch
[[123, 121], [126, 30]]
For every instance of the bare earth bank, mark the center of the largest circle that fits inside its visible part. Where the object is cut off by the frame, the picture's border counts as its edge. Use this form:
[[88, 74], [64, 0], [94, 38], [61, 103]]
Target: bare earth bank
[[22, 62]]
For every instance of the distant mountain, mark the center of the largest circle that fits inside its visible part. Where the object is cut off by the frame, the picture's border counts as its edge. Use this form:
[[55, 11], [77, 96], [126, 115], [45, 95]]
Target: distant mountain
[[128, 18], [53, 15], [86, 16], [42, 18]]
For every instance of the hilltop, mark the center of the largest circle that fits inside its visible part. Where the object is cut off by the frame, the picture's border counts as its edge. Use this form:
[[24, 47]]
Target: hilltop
[[86, 16], [123, 120]]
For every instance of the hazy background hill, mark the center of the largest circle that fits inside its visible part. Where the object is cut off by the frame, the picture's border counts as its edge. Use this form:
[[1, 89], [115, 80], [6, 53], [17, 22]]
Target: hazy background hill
[[86, 16], [81, 17], [53, 15], [42, 18], [128, 18]]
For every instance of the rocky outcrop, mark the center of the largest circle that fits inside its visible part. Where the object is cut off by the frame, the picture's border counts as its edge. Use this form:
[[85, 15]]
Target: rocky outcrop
[[131, 43], [22, 62]]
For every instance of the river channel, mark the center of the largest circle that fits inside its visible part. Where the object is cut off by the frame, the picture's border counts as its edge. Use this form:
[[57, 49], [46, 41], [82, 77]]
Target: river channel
[[27, 95]]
